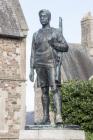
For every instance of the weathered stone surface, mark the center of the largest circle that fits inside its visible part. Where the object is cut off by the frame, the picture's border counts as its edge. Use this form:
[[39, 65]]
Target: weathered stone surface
[[12, 21], [13, 31], [2, 109], [13, 92], [38, 105], [77, 64], [12, 59], [87, 32], [52, 134], [12, 86]]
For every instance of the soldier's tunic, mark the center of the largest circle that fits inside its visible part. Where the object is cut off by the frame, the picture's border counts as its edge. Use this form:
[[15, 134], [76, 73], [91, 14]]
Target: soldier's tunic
[[43, 55]]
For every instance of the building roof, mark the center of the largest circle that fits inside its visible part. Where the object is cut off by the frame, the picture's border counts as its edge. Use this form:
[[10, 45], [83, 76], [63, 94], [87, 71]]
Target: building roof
[[12, 20], [77, 64]]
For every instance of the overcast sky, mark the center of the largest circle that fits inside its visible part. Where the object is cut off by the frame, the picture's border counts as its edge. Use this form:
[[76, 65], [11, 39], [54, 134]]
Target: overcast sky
[[71, 12]]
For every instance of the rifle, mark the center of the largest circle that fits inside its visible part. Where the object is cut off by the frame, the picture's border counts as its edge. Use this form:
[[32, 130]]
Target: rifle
[[60, 25], [61, 30], [59, 55]]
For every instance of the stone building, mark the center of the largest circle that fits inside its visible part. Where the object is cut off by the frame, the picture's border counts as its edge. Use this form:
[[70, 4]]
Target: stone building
[[77, 63], [87, 32], [13, 32]]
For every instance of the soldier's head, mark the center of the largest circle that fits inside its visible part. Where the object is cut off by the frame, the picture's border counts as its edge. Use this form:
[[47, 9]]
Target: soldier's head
[[45, 16]]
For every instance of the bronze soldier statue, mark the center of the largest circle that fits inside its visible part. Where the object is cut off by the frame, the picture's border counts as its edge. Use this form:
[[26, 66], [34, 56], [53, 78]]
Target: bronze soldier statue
[[46, 44]]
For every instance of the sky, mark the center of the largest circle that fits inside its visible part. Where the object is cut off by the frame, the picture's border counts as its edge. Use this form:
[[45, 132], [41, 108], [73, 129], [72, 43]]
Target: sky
[[71, 12]]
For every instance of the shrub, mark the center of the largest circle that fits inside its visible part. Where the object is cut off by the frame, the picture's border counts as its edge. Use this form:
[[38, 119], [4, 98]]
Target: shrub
[[89, 136], [77, 104]]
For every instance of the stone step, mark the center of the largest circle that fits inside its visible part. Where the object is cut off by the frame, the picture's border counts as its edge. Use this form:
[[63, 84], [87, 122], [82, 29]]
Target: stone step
[[52, 134]]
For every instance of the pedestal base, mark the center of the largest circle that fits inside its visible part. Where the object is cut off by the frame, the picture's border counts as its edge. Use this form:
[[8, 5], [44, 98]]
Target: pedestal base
[[52, 134]]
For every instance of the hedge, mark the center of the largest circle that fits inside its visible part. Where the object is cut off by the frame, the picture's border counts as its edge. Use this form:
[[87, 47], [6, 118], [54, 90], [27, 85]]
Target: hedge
[[77, 104]]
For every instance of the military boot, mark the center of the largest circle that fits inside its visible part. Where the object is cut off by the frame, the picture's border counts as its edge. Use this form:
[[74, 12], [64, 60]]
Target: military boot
[[58, 108], [45, 104]]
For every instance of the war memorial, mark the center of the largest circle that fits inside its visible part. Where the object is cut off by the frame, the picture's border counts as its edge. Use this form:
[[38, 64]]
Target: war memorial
[[52, 69]]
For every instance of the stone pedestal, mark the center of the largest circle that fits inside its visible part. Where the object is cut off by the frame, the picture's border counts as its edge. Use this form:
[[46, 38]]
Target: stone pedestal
[[52, 134]]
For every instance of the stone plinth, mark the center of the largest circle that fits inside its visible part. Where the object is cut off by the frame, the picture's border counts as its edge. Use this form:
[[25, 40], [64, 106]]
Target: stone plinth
[[52, 134]]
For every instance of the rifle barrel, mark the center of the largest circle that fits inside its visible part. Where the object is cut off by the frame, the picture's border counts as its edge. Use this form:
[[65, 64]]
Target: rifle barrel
[[60, 25]]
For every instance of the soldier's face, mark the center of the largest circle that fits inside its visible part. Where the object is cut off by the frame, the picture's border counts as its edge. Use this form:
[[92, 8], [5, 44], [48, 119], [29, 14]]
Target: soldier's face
[[44, 19]]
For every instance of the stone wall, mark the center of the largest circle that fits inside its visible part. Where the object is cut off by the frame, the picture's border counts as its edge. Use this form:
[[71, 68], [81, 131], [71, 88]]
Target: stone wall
[[12, 59], [39, 109], [13, 92], [12, 87], [38, 105], [87, 32]]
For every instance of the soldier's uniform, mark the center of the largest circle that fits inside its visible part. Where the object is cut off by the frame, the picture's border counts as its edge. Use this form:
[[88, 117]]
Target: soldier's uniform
[[44, 56], [46, 44]]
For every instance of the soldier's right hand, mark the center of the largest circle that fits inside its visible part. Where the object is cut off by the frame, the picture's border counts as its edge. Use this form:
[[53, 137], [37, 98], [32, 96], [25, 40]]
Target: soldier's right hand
[[31, 76]]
